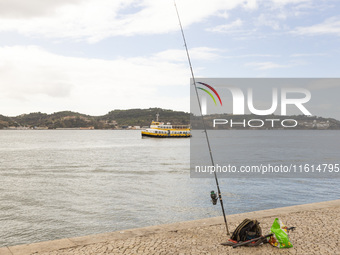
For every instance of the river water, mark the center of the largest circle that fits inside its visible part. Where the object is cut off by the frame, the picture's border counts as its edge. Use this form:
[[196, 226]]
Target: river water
[[66, 183]]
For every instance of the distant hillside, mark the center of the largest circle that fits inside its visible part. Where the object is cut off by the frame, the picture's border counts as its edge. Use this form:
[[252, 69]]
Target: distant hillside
[[64, 119], [6, 121], [114, 119], [143, 117]]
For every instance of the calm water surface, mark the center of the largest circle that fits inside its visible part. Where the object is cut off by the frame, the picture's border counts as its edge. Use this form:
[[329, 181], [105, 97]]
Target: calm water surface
[[62, 183]]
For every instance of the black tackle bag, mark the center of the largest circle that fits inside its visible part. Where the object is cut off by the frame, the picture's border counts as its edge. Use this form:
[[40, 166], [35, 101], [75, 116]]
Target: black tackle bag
[[247, 230]]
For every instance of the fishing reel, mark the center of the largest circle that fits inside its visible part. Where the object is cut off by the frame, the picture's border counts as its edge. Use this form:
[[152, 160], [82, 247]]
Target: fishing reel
[[213, 197]]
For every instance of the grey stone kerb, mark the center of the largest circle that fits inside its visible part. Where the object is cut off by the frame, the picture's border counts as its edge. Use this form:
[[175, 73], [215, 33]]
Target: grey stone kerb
[[125, 234]]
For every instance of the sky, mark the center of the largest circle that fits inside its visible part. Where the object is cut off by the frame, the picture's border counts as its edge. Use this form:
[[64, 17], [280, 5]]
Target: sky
[[96, 56]]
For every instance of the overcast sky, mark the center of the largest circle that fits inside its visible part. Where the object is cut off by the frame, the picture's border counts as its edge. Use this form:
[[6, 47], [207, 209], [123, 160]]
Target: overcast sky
[[95, 56]]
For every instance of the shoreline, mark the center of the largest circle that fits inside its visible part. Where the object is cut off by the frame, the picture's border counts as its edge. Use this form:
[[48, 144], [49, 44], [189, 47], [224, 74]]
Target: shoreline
[[312, 221]]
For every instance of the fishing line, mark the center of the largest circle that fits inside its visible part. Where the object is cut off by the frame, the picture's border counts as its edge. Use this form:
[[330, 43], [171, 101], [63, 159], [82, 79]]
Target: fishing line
[[204, 126]]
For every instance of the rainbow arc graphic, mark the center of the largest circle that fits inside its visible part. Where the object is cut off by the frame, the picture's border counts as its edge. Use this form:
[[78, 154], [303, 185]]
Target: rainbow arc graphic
[[209, 93]]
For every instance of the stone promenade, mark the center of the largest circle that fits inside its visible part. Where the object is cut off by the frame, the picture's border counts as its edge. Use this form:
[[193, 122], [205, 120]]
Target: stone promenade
[[317, 232]]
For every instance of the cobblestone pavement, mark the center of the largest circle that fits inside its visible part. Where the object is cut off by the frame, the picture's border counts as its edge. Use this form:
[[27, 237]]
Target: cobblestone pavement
[[317, 232]]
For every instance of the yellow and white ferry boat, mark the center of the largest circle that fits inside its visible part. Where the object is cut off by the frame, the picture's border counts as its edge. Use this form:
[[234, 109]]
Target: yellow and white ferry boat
[[160, 130]]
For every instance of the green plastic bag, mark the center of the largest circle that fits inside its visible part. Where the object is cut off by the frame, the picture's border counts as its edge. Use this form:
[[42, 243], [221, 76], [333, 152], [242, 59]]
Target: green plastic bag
[[280, 237]]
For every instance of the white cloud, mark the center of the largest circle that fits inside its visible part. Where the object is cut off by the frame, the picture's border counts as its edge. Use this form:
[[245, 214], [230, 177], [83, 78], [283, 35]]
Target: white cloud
[[299, 55], [36, 80], [251, 4], [285, 2], [225, 28], [269, 20], [330, 26], [223, 15], [95, 20], [32, 8], [198, 53], [273, 14], [257, 56], [266, 65]]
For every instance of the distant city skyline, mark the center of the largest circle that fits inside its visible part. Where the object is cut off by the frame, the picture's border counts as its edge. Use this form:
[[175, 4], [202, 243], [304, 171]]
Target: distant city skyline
[[96, 56]]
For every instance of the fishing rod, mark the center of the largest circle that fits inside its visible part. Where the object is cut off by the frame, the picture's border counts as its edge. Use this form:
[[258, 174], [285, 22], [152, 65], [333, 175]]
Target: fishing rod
[[204, 126]]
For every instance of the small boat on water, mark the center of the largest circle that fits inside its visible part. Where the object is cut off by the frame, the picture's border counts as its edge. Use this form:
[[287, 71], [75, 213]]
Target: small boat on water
[[160, 130]]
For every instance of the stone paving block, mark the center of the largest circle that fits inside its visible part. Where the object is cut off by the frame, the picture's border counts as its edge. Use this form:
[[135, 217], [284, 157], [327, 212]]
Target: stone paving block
[[5, 251], [41, 247], [317, 233]]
